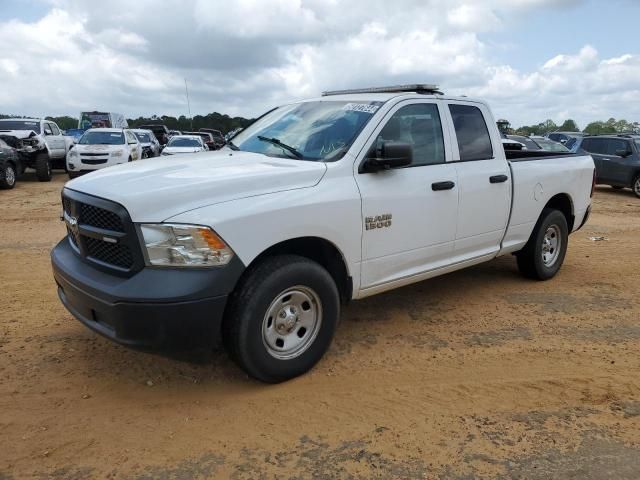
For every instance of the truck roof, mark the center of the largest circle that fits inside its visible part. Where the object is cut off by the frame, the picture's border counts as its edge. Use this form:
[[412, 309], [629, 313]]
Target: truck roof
[[24, 119]]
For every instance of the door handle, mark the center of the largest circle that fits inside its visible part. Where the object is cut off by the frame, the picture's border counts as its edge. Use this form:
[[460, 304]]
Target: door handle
[[498, 178], [437, 186]]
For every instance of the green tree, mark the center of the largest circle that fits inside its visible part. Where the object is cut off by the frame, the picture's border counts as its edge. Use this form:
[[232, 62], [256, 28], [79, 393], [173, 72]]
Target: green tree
[[569, 126]]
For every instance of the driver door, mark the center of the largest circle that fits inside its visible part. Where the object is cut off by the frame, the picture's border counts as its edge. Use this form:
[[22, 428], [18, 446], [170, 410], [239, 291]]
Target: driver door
[[409, 213]]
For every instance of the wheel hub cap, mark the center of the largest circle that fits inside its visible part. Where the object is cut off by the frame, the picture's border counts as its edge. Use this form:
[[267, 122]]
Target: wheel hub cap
[[292, 322], [551, 244]]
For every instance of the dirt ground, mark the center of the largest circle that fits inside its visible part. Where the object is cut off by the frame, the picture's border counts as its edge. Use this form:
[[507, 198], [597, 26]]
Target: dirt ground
[[476, 374]]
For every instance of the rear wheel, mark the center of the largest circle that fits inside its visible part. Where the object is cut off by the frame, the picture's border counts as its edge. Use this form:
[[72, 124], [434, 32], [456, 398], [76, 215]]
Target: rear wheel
[[282, 318], [145, 154], [7, 176], [636, 186], [544, 253], [43, 167]]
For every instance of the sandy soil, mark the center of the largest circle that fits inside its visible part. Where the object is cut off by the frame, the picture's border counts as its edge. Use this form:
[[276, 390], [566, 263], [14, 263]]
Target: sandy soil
[[477, 374]]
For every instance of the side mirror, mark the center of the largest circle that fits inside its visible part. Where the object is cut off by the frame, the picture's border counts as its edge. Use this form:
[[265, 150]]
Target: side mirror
[[388, 155], [48, 132], [563, 141], [623, 152]]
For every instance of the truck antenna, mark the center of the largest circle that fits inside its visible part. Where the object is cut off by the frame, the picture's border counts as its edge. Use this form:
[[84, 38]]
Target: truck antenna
[[186, 89]]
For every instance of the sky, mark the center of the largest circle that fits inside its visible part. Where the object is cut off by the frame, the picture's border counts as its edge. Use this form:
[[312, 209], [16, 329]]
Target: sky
[[532, 60]]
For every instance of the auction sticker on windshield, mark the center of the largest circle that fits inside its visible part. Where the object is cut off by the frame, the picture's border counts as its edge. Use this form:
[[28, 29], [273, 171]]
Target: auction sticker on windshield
[[361, 107]]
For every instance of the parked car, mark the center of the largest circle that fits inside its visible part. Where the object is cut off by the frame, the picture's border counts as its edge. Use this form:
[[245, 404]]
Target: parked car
[[563, 137], [101, 120], [74, 133], [184, 144], [534, 143], [207, 138], [148, 141], [173, 133], [40, 144], [617, 159], [319, 202], [509, 144], [9, 166], [99, 148], [218, 138], [550, 145], [160, 131]]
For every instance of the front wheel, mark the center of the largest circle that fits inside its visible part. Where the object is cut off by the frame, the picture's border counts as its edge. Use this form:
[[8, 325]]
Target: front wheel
[[636, 186], [43, 167], [7, 177], [282, 318], [544, 253]]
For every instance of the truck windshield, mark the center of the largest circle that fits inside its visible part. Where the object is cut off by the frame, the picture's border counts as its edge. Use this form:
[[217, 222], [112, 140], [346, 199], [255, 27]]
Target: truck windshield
[[317, 131], [102, 138], [20, 125]]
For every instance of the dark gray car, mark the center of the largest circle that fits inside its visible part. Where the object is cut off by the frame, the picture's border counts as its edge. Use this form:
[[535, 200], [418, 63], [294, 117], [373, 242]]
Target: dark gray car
[[9, 165], [617, 159]]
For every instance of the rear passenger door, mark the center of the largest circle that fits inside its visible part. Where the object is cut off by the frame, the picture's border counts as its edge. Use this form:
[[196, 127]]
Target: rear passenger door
[[55, 140], [484, 181], [597, 147]]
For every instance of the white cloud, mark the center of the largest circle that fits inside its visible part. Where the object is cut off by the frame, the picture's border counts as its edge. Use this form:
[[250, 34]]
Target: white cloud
[[245, 56]]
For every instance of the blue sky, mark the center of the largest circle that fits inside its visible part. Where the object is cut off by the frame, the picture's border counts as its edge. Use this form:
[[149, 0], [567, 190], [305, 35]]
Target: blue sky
[[531, 59]]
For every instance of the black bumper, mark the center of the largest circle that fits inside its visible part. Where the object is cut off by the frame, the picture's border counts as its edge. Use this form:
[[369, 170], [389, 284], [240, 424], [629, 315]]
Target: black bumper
[[156, 307]]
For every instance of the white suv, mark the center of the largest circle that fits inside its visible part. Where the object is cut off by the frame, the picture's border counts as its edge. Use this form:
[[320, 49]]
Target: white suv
[[103, 147]]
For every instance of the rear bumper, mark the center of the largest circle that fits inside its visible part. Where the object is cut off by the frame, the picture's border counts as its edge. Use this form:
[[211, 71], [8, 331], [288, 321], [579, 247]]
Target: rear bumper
[[154, 308]]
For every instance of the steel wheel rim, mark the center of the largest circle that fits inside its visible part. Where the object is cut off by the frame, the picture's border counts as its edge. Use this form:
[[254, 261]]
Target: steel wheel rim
[[292, 322], [636, 186], [551, 244], [10, 176]]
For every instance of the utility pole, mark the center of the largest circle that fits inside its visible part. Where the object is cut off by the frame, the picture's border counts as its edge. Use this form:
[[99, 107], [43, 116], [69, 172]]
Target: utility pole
[[186, 89]]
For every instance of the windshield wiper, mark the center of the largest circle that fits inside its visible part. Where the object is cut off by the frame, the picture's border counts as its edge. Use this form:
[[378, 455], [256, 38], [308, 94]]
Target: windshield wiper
[[284, 146], [232, 146]]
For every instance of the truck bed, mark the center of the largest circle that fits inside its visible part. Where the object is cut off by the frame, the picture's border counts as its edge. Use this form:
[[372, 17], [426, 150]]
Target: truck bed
[[527, 155]]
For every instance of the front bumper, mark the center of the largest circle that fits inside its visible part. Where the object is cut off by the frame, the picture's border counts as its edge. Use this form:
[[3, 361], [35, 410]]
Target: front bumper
[[154, 308]]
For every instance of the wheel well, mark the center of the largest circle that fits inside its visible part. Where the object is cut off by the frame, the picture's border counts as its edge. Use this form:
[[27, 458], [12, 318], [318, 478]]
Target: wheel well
[[318, 250], [562, 202]]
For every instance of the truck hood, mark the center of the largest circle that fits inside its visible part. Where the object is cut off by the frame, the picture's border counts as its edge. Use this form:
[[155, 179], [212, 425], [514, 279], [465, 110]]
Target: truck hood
[[157, 189], [19, 133]]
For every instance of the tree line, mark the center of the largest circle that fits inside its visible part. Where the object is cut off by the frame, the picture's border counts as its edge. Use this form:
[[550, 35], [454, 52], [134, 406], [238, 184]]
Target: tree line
[[215, 120], [611, 126]]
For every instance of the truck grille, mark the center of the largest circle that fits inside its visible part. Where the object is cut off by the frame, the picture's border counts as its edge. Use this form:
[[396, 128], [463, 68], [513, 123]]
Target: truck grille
[[102, 233]]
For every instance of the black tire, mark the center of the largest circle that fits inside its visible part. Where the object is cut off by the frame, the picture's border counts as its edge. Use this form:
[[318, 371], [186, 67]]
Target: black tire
[[8, 176], [531, 259], [260, 291], [130, 159], [145, 154], [43, 167], [636, 186]]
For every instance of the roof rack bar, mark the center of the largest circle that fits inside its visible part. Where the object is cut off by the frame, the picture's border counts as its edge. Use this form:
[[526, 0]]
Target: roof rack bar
[[415, 87]]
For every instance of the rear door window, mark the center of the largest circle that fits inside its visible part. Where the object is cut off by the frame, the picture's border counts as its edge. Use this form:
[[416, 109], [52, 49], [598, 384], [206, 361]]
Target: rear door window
[[474, 141], [595, 145]]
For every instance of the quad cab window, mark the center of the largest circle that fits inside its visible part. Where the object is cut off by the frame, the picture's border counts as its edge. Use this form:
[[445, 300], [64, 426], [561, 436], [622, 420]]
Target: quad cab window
[[474, 142], [418, 125]]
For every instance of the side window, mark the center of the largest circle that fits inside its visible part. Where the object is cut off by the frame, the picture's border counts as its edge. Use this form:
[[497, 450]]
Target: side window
[[420, 126], [474, 141], [613, 145], [595, 145], [54, 129], [131, 137]]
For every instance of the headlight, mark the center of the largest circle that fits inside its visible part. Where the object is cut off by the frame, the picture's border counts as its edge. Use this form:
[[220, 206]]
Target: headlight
[[73, 153], [175, 245], [117, 153]]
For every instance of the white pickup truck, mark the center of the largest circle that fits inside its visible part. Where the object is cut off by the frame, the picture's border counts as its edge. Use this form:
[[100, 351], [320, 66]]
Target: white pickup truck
[[39, 143], [317, 203]]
